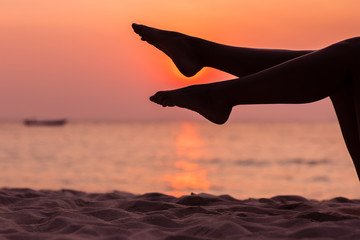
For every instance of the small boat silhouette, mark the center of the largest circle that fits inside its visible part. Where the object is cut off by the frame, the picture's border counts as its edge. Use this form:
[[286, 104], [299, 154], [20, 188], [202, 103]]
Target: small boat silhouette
[[34, 122]]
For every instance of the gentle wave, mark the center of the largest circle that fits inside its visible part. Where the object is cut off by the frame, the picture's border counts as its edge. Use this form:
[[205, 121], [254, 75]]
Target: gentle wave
[[241, 159]]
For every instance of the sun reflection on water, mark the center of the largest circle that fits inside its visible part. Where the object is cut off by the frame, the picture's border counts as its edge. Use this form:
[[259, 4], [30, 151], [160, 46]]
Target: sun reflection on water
[[189, 175]]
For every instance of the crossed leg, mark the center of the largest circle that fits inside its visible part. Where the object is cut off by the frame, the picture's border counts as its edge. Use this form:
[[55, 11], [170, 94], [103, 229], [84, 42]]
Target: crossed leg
[[267, 76], [191, 54]]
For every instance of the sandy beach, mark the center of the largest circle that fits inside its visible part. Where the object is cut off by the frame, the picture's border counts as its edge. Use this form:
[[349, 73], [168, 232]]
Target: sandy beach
[[69, 214]]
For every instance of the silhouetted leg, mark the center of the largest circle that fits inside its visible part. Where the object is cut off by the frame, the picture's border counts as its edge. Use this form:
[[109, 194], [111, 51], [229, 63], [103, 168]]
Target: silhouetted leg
[[351, 93], [332, 71], [191, 54], [304, 79], [346, 101], [243, 61], [344, 105]]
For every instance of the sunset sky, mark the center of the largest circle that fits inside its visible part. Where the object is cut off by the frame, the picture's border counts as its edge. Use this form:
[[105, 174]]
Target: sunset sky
[[80, 58]]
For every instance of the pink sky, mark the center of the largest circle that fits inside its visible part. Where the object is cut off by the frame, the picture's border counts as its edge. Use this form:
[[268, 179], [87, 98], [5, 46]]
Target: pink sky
[[80, 58]]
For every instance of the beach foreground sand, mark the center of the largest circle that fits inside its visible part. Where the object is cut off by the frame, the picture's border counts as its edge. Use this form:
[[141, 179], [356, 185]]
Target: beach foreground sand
[[68, 214]]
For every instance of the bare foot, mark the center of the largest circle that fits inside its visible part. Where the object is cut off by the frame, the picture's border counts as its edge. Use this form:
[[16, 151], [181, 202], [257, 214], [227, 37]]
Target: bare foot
[[179, 47], [198, 98]]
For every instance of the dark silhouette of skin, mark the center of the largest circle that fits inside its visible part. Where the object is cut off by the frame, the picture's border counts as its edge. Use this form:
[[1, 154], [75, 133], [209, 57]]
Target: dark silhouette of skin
[[266, 76]]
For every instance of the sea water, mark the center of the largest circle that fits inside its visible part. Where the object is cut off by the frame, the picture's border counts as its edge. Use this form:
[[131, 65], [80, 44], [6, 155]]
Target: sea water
[[243, 159]]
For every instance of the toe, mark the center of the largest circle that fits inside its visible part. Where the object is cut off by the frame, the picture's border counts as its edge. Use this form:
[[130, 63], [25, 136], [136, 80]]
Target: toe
[[160, 98], [156, 97], [135, 27], [164, 103]]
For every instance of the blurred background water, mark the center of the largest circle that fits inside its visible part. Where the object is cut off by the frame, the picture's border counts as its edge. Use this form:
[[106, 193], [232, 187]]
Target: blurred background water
[[243, 159]]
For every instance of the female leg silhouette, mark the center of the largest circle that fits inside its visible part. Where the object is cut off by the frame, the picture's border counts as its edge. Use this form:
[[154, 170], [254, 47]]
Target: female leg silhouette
[[266, 76]]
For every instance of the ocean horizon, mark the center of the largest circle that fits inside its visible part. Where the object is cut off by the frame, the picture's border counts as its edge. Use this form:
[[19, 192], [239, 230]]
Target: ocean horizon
[[243, 159]]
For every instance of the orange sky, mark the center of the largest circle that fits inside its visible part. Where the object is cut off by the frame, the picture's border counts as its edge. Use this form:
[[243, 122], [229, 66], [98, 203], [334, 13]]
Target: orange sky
[[80, 58]]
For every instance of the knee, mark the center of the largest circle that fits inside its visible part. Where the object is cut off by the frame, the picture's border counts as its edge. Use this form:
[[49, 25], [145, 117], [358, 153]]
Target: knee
[[348, 50], [353, 44], [354, 40]]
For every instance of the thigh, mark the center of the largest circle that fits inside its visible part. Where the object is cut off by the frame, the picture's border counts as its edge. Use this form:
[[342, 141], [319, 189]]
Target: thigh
[[304, 79]]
